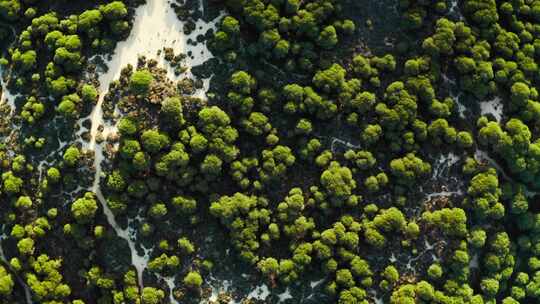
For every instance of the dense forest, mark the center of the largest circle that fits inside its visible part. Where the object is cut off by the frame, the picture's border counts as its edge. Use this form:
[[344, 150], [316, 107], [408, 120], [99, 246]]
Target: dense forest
[[270, 151]]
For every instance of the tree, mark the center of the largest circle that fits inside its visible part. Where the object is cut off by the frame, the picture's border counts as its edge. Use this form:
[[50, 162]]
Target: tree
[[440, 132], [484, 13], [269, 267], [153, 141], [89, 93], [69, 106], [70, 61], [257, 124], [193, 280], [211, 166], [464, 139], [127, 126], [363, 102], [441, 43], [328, 37], [45, 280], [6, 282], [171, 110], [89, 19], [371, 134], [129, 147], [140, 82], [10, 10], [451, 221], [24, 202], [360, 267], [215, 126], [157, 211], [12, 184], [25, 61], [243, 83], [331, 79], [72, 156], [490, 287], [275, 163], [339, 184], [26, 246], [151, 295], [249, 210], [186, 246], [435, 271], [184, 204], [391, 219], [230, 25], [485, 192], [344, 278], [520, 94], [291, 207], [425, 290], [53, 175], [391, 274], [409, 168], [114, 10], [84, 208]]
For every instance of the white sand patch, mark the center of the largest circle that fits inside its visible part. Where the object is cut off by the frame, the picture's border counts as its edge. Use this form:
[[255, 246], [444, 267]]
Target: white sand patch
[[493, 106], [453, 9], [443, 194], [217, 289], [314, 284], [199, 52], [344, 143], [443, 163], [260, 292], [285, 295], [460, 107], [455, 94]]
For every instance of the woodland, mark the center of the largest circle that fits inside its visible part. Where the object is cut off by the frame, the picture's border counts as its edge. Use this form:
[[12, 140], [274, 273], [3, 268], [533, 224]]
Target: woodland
[[277, 151]]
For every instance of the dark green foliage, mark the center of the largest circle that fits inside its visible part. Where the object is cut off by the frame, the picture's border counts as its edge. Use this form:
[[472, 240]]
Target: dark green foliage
[[315, 154]]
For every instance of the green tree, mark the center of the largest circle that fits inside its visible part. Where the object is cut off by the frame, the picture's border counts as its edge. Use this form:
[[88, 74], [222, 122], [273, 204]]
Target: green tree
[[451, 221], [153, 141], [171, 110], [339, 184], [84, 208], [72, 156], [152, 295], [193, 280], [409, 168], [140, 82], [6, 282]]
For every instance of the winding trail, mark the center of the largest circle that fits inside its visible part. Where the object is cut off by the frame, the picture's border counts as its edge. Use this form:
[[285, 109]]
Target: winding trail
[[26, 289], [155, 27]]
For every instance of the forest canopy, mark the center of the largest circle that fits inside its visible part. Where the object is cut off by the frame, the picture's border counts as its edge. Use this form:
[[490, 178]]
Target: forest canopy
[[269, 151]]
